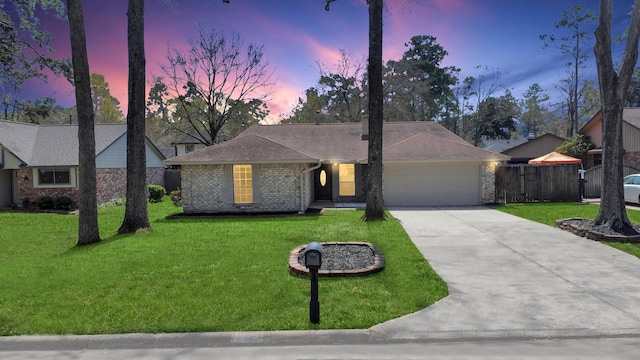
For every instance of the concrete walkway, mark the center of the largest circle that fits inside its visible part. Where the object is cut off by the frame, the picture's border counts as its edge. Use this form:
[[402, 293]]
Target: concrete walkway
[[509, 279]]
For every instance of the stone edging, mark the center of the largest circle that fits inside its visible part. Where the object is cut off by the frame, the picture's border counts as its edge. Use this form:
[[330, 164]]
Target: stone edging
[[565, 224], [298, 269]]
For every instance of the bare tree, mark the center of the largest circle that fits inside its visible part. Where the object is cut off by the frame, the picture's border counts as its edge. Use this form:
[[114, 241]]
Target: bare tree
[[201, 86], [488, 82], [375, 202], [343, 88], [88, 231], [136, 216], [573, 45], [613, 88]]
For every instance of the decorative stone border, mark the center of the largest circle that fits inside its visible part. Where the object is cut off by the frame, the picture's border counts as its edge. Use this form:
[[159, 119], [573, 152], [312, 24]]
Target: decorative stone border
[[565, 224], [298, 269]]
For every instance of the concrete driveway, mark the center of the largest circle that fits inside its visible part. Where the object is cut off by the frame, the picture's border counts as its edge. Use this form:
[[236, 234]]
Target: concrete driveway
[[510, 277]]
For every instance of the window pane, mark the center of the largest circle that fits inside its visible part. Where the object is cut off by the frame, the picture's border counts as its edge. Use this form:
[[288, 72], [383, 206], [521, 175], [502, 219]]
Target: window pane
[[46, 176], [347, 179], [323, 177], [347, 189], [62, 177], [242, 184]]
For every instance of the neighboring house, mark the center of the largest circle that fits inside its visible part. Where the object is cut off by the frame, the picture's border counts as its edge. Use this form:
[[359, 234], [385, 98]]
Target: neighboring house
[[287, 167], [42, 160], [184, 144], [531, 149], [500, 145], [630, 138]]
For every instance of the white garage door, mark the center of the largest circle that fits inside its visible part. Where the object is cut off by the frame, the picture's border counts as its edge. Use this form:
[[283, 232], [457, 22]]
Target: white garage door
[[431, 184]]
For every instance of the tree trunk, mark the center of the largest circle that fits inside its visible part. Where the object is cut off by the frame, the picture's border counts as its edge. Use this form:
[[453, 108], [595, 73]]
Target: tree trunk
[[375, 202], [613, 88], [136, 215], [88, 231]]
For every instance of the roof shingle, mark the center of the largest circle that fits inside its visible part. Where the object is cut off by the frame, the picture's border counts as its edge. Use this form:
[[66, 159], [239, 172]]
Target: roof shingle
[[341, 142], [53, 145]]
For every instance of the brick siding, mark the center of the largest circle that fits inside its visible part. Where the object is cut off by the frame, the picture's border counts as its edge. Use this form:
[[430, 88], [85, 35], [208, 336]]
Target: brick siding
[[632, 159], [488, 183], [110, 183], [205, 189]]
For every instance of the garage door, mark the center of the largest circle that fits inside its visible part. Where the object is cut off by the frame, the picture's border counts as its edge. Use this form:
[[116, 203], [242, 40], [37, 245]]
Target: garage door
[[431, 184]]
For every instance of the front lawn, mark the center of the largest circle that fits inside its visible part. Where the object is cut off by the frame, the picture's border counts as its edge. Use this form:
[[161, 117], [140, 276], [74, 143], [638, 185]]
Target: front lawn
[[548, 213], [224, 274]]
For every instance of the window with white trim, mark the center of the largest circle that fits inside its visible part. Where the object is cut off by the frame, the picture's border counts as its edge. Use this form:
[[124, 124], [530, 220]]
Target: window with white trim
[[54, 177]]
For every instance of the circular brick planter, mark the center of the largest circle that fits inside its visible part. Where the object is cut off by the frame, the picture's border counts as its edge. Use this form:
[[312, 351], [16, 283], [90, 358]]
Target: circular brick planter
[[567, 225], [296, 268]]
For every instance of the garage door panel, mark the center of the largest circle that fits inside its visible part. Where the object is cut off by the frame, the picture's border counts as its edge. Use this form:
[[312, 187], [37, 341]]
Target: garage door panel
[[431, 184]]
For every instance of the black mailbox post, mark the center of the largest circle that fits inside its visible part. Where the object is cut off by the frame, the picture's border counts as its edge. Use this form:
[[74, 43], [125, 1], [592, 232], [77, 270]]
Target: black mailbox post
[[313, 262]]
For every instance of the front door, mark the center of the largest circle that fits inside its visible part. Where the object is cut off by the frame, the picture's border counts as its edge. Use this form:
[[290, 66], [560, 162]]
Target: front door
[[322, 183]]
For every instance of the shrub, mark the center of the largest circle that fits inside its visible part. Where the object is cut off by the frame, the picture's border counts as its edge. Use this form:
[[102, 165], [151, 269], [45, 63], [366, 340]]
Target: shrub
[[113, 202], [576, 146], [176, 197], [45, 202], [62, 202], [156, 192]]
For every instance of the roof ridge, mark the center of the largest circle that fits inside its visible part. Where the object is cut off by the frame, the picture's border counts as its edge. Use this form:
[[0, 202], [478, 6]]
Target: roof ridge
[[433, 136], [283, 145], [464, 143]]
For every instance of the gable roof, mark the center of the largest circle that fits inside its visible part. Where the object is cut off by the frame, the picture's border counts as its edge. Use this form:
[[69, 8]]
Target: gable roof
[[424, 146], [533, 148], [630, 115], [19, 138], [338, 142], [501, 145], [242, 150], [53, 145]]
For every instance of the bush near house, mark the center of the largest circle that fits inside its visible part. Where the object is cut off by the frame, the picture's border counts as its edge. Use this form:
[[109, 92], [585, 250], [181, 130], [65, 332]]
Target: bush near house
[[60, 202], [45, 203], [176, 197], [156, 193]]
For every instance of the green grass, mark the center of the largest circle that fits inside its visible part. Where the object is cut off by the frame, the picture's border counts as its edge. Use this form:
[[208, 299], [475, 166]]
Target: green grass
[[224, 274], [548, 213]]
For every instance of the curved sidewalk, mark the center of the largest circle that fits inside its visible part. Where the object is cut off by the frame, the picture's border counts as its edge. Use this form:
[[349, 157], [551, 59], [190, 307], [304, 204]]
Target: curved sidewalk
[[511, 277]]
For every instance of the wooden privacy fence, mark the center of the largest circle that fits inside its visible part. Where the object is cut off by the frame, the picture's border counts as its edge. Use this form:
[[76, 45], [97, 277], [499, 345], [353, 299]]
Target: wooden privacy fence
[[593, 178], [171, 179], [522, 183]]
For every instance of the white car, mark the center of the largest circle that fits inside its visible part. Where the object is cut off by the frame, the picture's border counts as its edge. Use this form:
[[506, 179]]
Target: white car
[[632, 188]]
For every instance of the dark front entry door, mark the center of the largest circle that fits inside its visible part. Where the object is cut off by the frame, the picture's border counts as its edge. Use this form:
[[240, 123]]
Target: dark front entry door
[[322, 183]]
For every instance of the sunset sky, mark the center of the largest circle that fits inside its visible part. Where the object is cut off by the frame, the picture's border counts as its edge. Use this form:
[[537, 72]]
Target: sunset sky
[[296, 34]]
